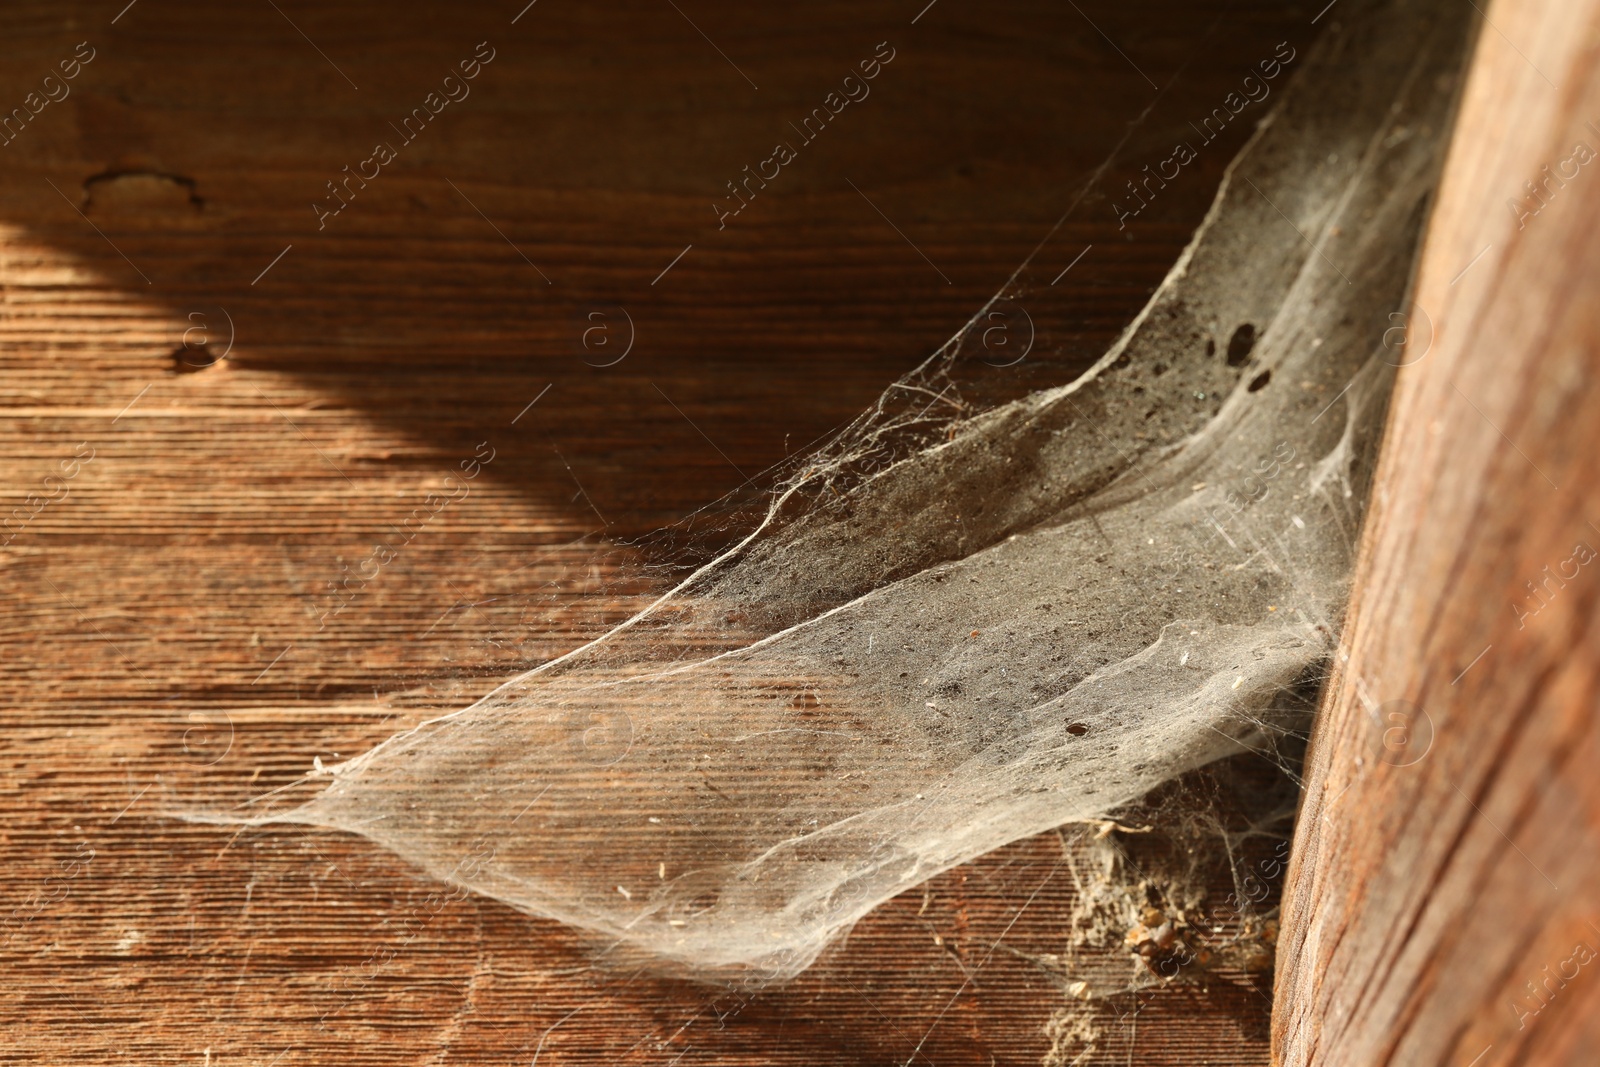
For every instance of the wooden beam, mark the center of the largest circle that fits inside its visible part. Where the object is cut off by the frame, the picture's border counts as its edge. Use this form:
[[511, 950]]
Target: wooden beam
[[1443, 905]]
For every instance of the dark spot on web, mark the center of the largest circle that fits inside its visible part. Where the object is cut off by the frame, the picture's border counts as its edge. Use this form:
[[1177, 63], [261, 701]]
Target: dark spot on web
[[1240, 344], [1260, 381]]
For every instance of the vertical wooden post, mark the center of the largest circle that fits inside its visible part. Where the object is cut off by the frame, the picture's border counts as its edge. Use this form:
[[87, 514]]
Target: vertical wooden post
[[1443, 906]]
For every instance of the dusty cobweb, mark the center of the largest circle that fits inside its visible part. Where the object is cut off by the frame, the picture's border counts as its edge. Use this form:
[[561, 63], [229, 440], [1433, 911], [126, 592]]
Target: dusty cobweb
[[950, 626]]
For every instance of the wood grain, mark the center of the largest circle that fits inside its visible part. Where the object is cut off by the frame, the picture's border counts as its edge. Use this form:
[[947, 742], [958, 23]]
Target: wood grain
[[1443, 904], [160, 619]]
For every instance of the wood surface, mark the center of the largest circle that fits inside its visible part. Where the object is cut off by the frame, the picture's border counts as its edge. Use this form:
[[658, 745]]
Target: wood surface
[[1443, 902], [160, 611]]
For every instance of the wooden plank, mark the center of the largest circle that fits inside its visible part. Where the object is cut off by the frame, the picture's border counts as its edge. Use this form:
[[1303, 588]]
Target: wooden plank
[[161, 619], [1443, 905]]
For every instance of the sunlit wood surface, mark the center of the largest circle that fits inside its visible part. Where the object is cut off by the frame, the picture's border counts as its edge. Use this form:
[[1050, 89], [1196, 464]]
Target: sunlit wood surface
[[162, 609]]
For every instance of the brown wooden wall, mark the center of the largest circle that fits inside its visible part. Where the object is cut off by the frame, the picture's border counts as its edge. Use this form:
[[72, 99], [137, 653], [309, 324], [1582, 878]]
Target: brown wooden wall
[[159, 621]]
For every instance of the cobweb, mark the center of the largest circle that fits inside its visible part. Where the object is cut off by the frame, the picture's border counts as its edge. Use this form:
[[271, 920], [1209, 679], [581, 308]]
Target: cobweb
[[948, 628]]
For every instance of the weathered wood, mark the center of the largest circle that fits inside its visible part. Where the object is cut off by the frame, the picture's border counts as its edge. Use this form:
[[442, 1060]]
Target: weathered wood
[[160, 621], [1443, 905]]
